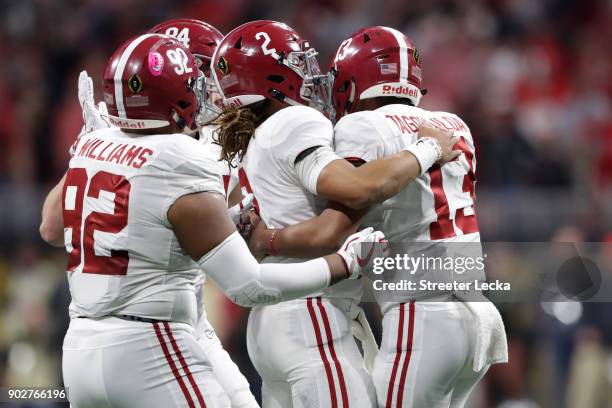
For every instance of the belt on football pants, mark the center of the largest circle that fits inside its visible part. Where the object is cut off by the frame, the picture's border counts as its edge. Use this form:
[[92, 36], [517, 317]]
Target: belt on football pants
[[138, 319], [131, 318]]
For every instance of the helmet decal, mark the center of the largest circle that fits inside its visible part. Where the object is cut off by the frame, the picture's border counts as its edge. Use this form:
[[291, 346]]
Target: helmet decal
[[135, 83], [388, 69], [156, 63], [265, 44], [182, 35], [222, 65]]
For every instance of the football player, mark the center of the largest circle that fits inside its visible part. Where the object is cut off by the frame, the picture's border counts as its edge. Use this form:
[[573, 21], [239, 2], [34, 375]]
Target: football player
[[201, 39], [144, 212], [432, 353], [270, 79]]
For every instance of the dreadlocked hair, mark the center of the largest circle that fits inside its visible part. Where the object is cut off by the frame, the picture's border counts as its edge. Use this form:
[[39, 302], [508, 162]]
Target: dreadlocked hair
[[235, 128]]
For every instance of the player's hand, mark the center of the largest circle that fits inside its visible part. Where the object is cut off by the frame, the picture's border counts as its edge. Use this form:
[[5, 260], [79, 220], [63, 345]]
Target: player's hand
[[102, 109], [445, 139], [92, 114], [360, 249], [260, 237], [239, 214]]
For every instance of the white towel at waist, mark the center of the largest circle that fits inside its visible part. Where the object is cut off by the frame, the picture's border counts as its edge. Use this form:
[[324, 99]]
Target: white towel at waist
[[491, 344], [362, 332]]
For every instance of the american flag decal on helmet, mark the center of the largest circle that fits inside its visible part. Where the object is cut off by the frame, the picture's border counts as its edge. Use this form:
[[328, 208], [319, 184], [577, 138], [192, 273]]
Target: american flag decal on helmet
[[386, 69]]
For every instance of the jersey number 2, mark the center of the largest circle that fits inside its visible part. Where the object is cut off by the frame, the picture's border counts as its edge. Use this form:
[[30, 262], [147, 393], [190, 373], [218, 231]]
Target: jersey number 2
[[75, 193]]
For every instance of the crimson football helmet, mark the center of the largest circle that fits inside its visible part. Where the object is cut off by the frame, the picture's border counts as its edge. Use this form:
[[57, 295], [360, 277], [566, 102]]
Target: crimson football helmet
[[374, 62], [150, 82], [268, 59], [201, 39]]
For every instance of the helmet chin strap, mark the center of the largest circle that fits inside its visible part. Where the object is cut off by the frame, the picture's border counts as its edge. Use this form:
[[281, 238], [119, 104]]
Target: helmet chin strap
[[351, 99], [281, 97], [191, 132], [180, 122]]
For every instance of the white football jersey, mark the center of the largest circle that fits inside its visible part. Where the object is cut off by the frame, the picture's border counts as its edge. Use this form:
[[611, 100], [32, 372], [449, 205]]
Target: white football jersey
[[124, 257], [268, 171], [439, 205], [436, 206]]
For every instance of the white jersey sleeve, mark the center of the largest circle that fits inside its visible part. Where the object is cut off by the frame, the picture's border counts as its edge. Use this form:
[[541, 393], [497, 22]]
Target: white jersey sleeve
[[310, 167], [300, 129], [310, 130], [358, 137], [192, 168]]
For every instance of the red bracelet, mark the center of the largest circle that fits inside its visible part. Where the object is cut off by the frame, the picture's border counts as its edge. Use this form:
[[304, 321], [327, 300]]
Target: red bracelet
[[271, 247]]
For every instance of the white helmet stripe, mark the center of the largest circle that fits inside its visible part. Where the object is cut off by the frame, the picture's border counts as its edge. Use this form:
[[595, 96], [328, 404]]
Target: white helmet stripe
[[119, 73], [403, 50]]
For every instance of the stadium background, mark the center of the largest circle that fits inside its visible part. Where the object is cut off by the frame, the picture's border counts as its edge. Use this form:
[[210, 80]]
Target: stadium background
[[532, 79]]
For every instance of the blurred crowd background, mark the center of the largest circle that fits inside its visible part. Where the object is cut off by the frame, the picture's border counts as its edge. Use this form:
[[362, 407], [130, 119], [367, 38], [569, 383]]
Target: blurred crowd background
[[532, 79]]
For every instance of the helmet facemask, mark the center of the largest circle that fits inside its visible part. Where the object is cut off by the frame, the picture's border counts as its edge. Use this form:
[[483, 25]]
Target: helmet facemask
[[316, 86], [210, 100], [208, 95], [179, 114]]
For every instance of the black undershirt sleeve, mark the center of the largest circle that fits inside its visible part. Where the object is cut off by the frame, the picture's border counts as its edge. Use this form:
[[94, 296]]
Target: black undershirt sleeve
[[304, 153]]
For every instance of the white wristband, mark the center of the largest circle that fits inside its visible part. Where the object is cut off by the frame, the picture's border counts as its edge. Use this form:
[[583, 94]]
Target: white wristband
[[427, 151]]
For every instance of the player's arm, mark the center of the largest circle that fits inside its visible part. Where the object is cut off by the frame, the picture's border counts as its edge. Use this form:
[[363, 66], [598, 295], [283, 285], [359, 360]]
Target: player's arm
[[206, 233], [52, 224], [378, 180], [234, 196], [315, 237], [339, 180]]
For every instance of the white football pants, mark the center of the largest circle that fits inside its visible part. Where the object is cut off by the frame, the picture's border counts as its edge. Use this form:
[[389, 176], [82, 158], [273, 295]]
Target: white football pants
[[307, 357], [110, 362], [426, 355]]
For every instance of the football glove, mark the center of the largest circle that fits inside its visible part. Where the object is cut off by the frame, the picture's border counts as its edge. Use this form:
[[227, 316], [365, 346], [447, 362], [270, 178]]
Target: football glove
[[360, 249], [239, 214], [93, 116]]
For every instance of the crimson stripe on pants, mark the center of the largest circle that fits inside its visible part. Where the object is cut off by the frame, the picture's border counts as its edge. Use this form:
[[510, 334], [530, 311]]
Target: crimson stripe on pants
[[173, 367], [402, 383], [177, 351], [332, 351], [398, 355], [328, 372]]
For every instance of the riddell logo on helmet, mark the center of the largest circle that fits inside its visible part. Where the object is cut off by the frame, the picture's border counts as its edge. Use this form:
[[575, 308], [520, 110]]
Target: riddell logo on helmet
[[124, 124], [399, 90], [236, 103]]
